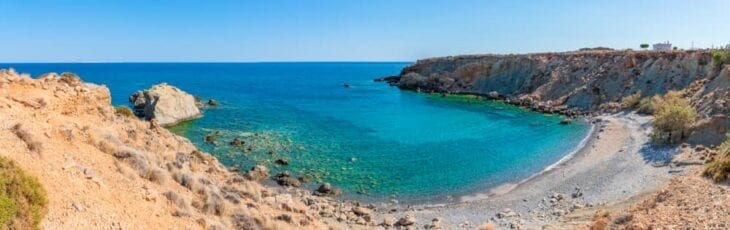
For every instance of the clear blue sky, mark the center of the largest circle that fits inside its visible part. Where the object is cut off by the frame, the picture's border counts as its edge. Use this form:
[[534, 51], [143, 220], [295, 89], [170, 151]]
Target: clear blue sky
[[343, 30]]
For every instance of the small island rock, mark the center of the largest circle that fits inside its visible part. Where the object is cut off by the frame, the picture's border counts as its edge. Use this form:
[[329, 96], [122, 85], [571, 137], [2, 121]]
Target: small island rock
[[165, 103]]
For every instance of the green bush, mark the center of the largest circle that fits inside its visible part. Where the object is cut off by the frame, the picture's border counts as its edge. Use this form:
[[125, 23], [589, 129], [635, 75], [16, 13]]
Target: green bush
[[673, 118], [719, 169], [631, 101], [123, 111], [23, 200], [722, 56]]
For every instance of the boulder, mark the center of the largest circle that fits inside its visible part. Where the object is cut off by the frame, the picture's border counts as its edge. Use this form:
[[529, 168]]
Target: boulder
[[286, 180], [326, 189], [212, 102], [165, 103], [257, 173]]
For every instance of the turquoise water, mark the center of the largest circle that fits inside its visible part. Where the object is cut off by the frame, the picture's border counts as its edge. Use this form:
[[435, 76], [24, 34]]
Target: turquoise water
[[372, 140]]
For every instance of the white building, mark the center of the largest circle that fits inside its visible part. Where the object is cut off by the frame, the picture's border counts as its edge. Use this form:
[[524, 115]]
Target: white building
[[666, 46]]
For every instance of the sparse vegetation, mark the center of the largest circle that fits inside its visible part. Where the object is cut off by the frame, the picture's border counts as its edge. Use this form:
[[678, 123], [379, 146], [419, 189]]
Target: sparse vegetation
[[22, 198], [25, 136], [631, 101], [673, 118], [721, 56], [123, 111], [719, 169], [648, 105]]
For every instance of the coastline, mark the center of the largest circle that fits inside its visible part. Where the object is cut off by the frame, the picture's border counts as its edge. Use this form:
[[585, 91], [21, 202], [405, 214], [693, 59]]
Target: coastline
[[610, 168]]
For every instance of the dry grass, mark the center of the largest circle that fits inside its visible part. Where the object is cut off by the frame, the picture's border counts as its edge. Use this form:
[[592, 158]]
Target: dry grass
[[719, 169], [139, 163], [27, 138], [23, 200], [631, 101], [123, 111]]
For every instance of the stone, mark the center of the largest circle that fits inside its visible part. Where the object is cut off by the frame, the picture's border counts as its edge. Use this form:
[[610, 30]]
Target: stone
[[284, 179], [165, 103], [407, 220], [493, 94], [389, 221], [326, 189], [362, 211], [282, 162], [623, 218], [566, 121], [237, 142], [212, 102], [257, 173]]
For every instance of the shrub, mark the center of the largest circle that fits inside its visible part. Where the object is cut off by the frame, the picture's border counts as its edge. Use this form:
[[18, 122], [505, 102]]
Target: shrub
[[722, 56], [648, 105], [631, 101], [719, 169], [123, 111], [23, 200], [673, 118]]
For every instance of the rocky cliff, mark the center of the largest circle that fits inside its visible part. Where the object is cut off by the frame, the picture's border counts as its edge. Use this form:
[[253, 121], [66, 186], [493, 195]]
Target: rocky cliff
[[580, 82]]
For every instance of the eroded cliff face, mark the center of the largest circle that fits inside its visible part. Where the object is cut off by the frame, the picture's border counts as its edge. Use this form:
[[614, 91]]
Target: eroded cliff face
[[581, 82]]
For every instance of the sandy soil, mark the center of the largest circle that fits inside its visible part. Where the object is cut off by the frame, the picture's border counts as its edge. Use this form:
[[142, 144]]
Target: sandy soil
[[615, 168]]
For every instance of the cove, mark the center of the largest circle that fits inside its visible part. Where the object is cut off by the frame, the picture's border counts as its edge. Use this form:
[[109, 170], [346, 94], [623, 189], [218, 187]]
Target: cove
[[372, 140]]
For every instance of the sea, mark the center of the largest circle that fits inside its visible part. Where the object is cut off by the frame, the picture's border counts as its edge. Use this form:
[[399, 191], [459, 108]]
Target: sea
[[373, 141]]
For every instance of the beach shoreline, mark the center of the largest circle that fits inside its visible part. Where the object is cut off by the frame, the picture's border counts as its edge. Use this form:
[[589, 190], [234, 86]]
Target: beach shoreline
[[612, 168]]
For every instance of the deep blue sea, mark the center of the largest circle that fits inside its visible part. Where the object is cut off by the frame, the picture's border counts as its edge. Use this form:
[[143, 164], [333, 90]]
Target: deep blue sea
[[374, 141]]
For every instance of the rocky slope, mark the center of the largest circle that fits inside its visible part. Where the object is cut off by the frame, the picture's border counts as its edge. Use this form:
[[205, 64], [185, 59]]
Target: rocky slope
[[582, 82], [108, 171]]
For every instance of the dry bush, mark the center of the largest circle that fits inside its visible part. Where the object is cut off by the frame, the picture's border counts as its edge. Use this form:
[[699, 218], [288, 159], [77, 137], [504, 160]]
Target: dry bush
[[23, 200], [631, 101], [123, 111], [183, 209], [214, 204], [648, 105], [139, 163], [719, 169], [27, 138]]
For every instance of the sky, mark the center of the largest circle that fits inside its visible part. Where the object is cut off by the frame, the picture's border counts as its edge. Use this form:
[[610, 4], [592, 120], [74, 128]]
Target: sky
[[342, 30]]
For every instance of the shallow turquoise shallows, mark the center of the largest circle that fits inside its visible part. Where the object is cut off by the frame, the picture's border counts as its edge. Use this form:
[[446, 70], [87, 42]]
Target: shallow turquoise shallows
[[372, 140]]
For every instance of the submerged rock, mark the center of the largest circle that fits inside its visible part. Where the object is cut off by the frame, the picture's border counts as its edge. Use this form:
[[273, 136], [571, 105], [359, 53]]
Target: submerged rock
[[566, 121], [165, 103], [212, 102], [285, 179], [282, 161]]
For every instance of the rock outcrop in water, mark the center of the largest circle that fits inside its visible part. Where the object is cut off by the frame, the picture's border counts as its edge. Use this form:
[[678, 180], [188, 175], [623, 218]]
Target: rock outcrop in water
[[580, 82], [166, 104]]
